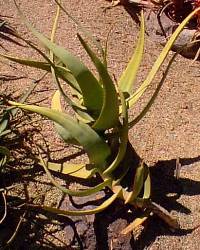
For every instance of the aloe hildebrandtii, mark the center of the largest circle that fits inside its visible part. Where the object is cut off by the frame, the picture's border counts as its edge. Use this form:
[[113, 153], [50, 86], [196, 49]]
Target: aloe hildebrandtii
[[101, 124]]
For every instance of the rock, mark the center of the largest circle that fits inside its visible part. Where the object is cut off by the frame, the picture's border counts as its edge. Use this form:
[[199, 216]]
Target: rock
[[184, 44]]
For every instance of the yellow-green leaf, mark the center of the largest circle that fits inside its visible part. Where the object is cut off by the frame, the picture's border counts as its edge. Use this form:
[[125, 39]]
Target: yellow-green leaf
[[90, 87], [123, 138], [63, 133], [96, 148], [98, 209], [134, 98], [83, 171], [153, 98], [110, 109], [78, 193], [82, 29], [4, 156], [128, 76], [61, 72], [138, 183], [147, 184]]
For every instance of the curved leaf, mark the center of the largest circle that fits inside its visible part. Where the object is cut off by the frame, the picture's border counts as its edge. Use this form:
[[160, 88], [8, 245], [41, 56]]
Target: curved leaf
[[78, 193], [147, 185], [100, 208], [90, 87], [80, 111], [82, 29], [4, 123], [63, 133], [155, 94], [61, 72], [83, 171], [93, 144], [138, 183], [123, 138], [109, 115], [134, 98], [128, 76], [83, 116], [4, 156]]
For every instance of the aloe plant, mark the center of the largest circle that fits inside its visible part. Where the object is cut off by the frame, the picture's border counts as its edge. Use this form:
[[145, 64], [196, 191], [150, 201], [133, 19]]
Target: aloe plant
[[101, 123]]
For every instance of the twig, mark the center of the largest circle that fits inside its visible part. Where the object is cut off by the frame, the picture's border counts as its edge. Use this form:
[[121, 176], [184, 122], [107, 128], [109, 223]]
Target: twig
[[159, 15], [9, 188], [178, 168], [164, 214], [17, 229], [5, 207], [160, 212]]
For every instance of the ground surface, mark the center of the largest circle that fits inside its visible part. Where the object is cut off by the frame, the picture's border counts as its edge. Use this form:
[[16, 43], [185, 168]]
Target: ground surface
[[169, 131]]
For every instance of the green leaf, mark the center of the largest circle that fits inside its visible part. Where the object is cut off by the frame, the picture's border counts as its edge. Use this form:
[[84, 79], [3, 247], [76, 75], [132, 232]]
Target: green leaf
[[63, 133], [78, 193], [128, 76], [83, 116], [138, 183], [105, 55], [123, 138], [80, 111], [2, 24], [109, 115], [93, 144], [53, 71], [4, 123], [90, 87], [100, 208], [4, 156], [11, 112], [56, 80], [83, 171], [147, 184], [134, 98], [82, 29], [154, 96], [61, 72], [5, 132]]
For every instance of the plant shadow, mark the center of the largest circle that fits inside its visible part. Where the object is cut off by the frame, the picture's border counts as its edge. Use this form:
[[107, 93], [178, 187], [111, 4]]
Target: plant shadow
[[166, 190], [9, 34], [33, 232], [101, 231]]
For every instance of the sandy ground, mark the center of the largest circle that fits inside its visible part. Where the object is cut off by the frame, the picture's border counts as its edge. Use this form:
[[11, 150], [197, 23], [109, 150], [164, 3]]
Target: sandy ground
[[169, 131]]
